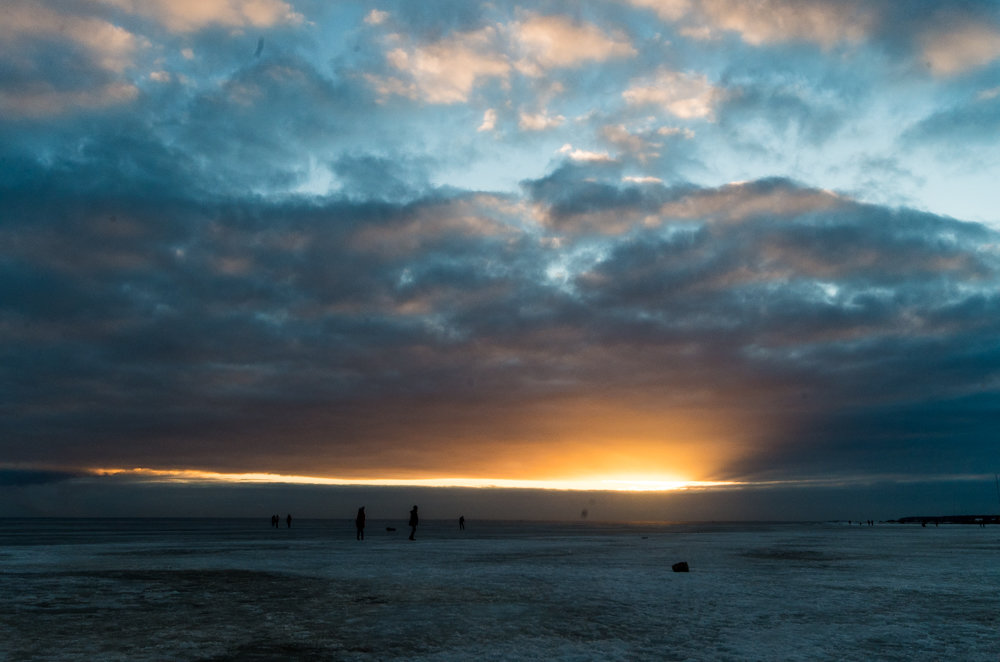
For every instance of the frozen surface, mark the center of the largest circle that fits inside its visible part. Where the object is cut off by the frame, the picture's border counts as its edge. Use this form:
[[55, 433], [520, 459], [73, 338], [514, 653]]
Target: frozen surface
[[240, 590]]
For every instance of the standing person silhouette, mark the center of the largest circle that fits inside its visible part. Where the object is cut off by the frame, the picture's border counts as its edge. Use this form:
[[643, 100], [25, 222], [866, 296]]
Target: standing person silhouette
[[288, 520], [359, 523], [461, 523], [414, 520]]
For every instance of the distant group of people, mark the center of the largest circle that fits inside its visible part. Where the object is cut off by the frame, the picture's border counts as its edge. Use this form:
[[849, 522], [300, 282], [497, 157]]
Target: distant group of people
[[361, 519]]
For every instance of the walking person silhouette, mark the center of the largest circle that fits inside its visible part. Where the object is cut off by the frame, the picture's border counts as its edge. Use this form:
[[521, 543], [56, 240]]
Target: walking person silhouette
[[414, 520], [359, 523]]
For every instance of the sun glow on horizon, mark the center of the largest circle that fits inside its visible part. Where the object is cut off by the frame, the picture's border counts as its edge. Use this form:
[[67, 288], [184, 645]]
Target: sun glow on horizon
[[591, 484]]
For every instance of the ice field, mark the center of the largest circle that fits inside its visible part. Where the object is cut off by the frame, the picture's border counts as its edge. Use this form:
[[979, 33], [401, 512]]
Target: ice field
[[241, 590]]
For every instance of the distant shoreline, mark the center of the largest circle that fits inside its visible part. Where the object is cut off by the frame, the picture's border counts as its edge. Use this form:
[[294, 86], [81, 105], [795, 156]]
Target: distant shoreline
[[948, 519]]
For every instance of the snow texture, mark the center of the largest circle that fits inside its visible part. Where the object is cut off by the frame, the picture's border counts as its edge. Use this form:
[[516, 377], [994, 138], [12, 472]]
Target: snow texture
[[219, 590]]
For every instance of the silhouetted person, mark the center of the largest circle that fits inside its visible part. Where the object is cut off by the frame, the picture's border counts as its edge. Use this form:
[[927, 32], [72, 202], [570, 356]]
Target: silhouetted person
[[288, 520], [461, 523], [414, 520], [359, 523]]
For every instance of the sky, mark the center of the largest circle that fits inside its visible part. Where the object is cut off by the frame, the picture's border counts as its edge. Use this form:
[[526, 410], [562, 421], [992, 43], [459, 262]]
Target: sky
[[730, 252]]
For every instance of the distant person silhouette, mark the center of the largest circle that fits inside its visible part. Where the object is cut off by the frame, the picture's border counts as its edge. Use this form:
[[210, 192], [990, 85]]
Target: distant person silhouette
[[414, 520], [461, 523], [288, 520], [359, 523]]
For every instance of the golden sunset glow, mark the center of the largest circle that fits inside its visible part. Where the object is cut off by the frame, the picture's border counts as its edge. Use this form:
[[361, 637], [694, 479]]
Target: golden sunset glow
[[610, 484], [646, 249]]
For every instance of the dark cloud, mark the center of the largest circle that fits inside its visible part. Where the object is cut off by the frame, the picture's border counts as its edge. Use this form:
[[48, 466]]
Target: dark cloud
[[371, 177], [588, 197], [257, 332], [255, 269], [802, 301], [972, 125], [26, 477]]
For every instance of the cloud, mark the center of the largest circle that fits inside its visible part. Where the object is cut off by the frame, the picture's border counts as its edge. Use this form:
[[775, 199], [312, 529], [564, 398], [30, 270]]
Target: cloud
[[25, 477], [190, 15], [583, 196], [56, 62], [948, 38], [538, 121], [367, 331], [668, 10], [963, 126], [626, 141], [824, 22], [954, 49], [371, 177], [585, 155], [489, 120], [780, 107], [376, 17], [91, 56], [445, 71], [736, 203], [821, 21], [644, 145], [447, 221], [43, 99], [231, 137], [106, 45], [547, 42], [991, 93], [687, 96], [231, 262]]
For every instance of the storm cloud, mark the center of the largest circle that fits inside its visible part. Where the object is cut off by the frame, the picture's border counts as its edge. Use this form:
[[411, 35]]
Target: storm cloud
[[318, 258]]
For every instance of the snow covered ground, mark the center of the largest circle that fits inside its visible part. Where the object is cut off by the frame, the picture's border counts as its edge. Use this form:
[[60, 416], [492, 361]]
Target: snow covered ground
[[240, 590]]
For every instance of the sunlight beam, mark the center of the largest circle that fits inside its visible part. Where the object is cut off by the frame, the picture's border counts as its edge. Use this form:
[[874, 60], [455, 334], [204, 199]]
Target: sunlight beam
[[615, 484]]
